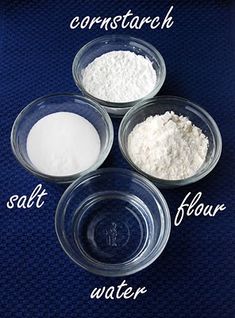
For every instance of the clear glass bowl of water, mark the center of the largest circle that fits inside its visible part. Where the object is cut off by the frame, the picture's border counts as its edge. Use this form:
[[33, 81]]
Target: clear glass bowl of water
[[112, 222]]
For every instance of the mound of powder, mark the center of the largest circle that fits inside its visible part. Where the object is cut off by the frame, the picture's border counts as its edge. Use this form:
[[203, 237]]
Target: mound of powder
[[168, 146], [119, 76], [62, 144]]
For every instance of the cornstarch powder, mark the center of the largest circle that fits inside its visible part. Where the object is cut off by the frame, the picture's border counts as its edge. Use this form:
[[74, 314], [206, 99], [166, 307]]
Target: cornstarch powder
[[62, 144], [168, 146], [119, 76]]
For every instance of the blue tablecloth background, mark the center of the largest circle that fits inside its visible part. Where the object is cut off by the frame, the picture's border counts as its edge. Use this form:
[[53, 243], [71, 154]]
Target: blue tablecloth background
[[194, 277]]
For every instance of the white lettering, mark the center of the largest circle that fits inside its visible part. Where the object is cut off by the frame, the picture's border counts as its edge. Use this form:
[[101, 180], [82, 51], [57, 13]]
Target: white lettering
[[127, 20], [191, 208], [25, 202], [121, 291]]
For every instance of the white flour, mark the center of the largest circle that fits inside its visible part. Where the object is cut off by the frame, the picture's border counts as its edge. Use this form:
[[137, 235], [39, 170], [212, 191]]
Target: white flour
[[168, 146], [63, 144], [119, 76]]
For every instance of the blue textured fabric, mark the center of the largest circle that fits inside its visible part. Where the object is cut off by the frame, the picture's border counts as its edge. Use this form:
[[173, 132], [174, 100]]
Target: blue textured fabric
[[194, 277]]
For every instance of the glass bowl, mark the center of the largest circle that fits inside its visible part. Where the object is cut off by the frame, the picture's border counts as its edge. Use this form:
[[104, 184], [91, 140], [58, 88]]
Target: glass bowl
[[107, 43], [112, 222], [46, 105], [199, 117]]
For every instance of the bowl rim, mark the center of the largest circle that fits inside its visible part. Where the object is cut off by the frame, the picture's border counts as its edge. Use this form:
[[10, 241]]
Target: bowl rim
[[70, 178], [114, 37], [159, 198], [165, 183]]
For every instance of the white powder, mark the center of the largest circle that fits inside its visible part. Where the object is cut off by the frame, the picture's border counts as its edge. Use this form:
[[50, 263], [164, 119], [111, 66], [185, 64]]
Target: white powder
[[119, 76], [167, 146], [62, 144]]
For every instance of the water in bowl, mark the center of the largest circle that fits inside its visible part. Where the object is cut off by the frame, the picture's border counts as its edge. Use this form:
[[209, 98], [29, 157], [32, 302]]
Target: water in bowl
[[112, 227]]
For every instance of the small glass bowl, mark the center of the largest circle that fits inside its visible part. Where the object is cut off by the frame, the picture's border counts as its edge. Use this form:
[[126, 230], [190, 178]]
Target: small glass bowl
[[46, 105], [107, 43], [112, 222], [197, 115]]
